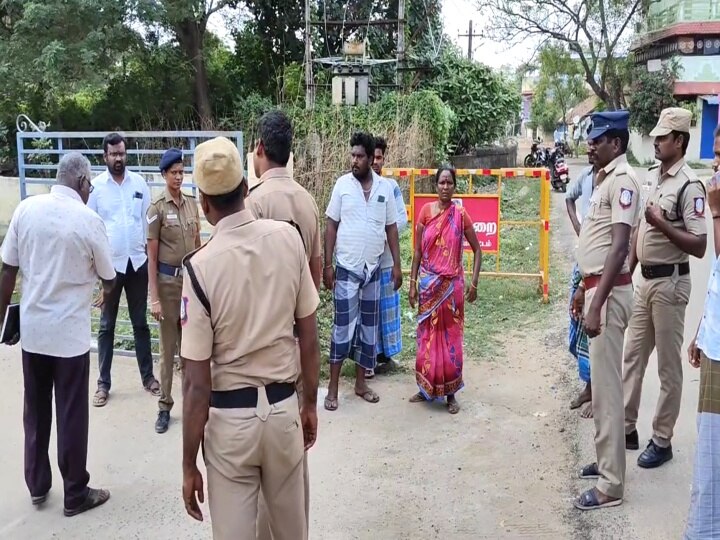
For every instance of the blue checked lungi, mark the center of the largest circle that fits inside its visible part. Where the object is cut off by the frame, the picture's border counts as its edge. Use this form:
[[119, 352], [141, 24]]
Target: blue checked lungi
[[357, 312], [389, 342], [577, 338]]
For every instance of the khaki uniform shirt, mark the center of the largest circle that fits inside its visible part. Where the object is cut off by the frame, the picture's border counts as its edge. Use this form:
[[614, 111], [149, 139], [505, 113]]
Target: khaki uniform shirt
[[256, 278], [174, 228], [279, 197], [616, 199], [653, 247]]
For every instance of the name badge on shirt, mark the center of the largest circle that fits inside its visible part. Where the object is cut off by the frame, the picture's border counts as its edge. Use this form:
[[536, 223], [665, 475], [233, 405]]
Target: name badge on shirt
[[172, 216], [138, 195], [381, 198]]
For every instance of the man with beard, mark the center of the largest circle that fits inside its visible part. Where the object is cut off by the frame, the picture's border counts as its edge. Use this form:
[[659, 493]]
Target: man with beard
[[604, 300], [581, 189], [389, 340], [122, 198], [173, 232], [360, 215]]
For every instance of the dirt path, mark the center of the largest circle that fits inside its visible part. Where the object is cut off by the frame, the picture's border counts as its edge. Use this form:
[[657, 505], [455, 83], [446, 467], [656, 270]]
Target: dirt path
[[502, 468]]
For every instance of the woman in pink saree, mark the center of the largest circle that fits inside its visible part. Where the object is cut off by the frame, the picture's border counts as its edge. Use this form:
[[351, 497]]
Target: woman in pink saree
[[437, 277]]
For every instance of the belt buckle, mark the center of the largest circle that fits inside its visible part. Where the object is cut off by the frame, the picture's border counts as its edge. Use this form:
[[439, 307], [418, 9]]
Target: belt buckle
[[177, 272]]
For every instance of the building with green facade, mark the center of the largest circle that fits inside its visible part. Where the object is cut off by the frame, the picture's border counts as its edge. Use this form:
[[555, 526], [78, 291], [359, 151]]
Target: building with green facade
[[688, 31]]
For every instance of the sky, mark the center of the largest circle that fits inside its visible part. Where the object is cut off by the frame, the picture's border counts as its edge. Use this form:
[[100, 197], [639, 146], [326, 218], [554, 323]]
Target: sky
[[456, 14]]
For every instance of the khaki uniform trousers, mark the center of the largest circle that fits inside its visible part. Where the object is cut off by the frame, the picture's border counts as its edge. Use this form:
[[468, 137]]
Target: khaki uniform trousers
[[264, 528], [658, 321], [250, 449], [170, 292], [606, 357]]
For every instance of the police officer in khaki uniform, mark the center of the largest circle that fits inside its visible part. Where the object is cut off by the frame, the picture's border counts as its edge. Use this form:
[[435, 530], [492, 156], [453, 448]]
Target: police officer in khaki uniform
[[277, 196], [604, 299], [671, 228], [173, 232], [243, 292]]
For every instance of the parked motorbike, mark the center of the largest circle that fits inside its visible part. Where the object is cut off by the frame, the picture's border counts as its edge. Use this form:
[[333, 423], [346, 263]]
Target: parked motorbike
[[532, 159], [559, 172]]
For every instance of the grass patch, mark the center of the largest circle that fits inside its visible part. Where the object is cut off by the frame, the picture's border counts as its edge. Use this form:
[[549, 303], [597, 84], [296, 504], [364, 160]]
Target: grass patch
[[504, 305]]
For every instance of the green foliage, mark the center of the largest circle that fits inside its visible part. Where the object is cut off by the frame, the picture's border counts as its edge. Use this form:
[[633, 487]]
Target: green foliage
[[483, 101], [651, 93], [559, 88]]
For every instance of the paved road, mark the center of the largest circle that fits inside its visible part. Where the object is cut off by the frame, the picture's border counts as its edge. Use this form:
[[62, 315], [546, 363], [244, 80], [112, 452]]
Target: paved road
[[657, 501]]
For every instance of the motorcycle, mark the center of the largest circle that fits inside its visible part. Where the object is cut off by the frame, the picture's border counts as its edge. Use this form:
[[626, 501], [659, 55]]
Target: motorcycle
[[537, 156], [559, 172]]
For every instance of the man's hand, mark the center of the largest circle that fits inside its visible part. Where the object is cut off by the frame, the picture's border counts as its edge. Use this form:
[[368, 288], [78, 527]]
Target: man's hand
[[713, 198], [694, 354], [193, 492], [397, 277], [592, 323], [329, 278], [578, 304], [156, 310], [309, 420], [653, 215], [99, 301]]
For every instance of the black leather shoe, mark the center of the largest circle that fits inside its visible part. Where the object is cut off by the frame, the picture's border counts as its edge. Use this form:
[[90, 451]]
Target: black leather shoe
[[654, 456], [631, 441], [162, 422]]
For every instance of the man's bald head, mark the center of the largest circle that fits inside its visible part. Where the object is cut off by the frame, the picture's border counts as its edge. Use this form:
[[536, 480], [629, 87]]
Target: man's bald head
[[74, 172]]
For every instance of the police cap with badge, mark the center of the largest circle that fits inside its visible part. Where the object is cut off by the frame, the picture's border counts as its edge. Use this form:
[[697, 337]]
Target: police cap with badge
[[602, 122]]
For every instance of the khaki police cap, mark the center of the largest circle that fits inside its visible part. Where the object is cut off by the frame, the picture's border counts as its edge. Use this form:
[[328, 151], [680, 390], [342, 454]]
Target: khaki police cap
[[672, 119], [218, 167]]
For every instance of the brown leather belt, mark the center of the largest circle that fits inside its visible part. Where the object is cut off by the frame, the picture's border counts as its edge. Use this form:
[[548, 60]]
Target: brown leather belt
[[593, 281]]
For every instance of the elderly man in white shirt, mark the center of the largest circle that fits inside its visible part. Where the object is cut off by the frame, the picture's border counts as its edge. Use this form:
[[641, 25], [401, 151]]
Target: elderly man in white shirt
[[61, 249], [122, 198], [361, 213]]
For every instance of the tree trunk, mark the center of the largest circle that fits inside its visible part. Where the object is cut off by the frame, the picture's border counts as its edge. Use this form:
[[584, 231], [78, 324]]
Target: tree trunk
[[190, 36]]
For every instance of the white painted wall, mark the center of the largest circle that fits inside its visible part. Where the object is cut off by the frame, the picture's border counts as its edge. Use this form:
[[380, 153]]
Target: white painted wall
[[643, 149]]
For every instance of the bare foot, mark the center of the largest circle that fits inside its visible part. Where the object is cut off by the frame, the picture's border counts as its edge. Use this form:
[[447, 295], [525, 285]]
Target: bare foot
[[582, 397], [587, 410]]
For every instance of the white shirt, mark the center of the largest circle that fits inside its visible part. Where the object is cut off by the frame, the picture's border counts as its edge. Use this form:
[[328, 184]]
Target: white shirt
[[61, 248], [386, 261], [361, 223], [123, 208], [708, 338]]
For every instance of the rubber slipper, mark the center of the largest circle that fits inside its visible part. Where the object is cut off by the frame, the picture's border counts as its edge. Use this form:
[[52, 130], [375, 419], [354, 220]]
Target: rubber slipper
[[331, 404], [369, 373], [417, 398], [154, 388], [368, 395], [589, 501], [95, 498], [100, 398], [454, 407], [589, 472]]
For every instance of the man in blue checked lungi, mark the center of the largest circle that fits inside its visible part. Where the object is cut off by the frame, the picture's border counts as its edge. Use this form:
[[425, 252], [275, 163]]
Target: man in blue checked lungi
[[580, 190], [389, 341], [360, 216]]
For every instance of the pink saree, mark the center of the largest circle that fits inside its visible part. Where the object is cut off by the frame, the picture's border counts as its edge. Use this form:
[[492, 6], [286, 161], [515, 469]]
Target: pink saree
[[441, 314]]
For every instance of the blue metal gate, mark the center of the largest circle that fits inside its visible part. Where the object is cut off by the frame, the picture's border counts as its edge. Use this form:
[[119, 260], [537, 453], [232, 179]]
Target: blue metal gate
[[38, 154]]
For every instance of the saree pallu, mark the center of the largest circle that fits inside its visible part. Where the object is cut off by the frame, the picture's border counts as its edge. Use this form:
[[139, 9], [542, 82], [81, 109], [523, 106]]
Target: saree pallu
[[441, 315]]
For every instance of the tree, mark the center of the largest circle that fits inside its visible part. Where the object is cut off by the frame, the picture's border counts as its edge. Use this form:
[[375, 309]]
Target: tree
[[596, 31], [187, 20], [483, 101], [651, 93], [560, 87]]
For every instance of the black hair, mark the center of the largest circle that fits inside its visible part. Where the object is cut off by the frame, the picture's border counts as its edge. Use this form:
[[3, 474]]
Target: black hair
[[276, 135], [622, 134], [365, 140], [717, 131], [227, 201], [441, 170], [113, 139], [686, 139], [381, 143]]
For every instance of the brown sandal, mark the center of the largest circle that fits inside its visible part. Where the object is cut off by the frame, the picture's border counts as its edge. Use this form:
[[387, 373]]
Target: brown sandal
[[417, 398], [100, 398], [154, 388]]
